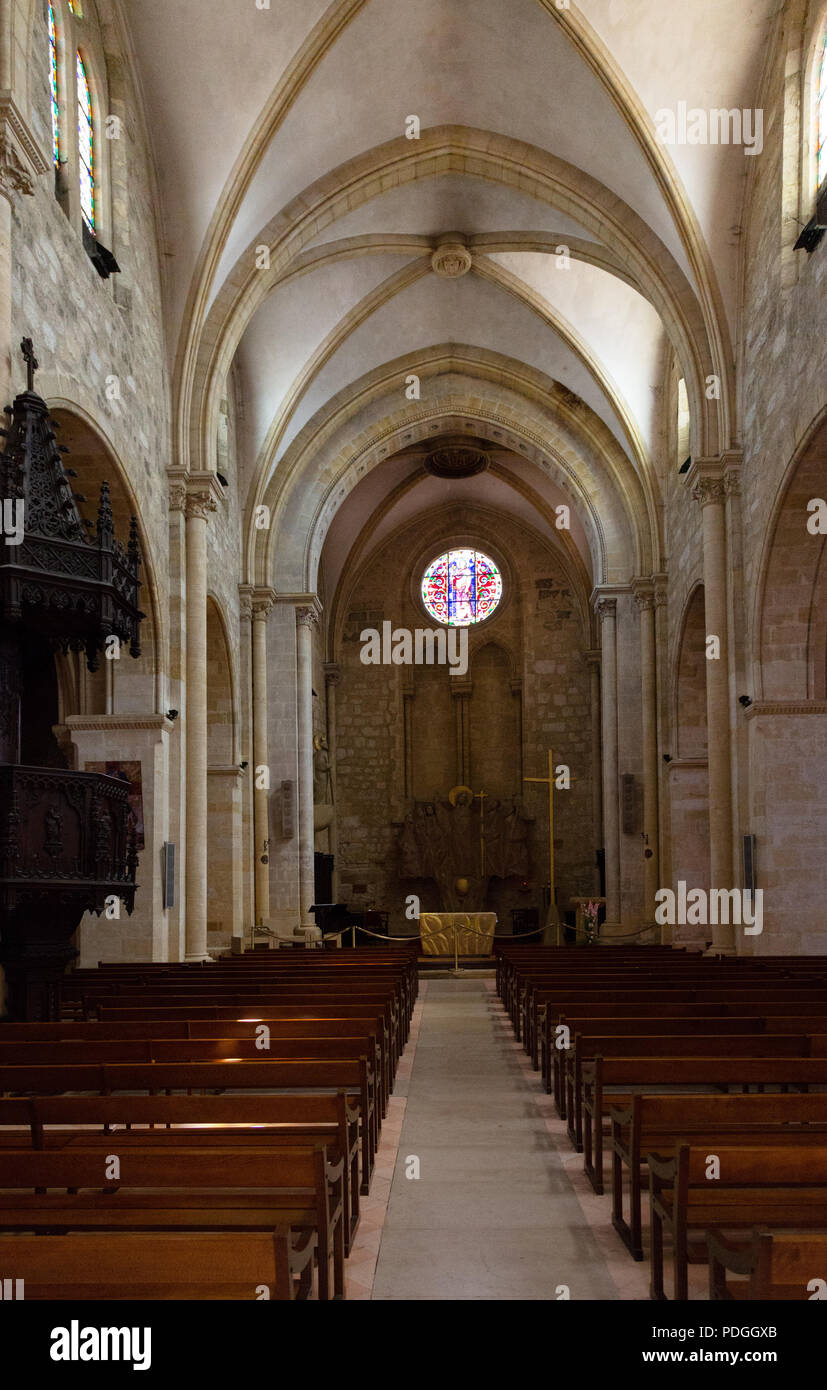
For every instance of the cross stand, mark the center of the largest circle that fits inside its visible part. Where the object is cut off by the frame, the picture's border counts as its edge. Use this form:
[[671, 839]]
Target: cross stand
[[553, 914]]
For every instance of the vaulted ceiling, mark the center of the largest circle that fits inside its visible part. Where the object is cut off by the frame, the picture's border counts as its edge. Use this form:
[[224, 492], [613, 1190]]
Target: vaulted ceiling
[[286, 127]]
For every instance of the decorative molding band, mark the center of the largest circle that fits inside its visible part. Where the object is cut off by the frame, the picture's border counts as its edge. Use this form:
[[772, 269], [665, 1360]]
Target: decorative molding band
[[89, 723], [677, 764], [795, 707], [233, 770], [610, 591]]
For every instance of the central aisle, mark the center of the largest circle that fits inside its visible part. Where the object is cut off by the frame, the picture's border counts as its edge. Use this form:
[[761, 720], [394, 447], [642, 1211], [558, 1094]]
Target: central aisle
[[493, 1214]]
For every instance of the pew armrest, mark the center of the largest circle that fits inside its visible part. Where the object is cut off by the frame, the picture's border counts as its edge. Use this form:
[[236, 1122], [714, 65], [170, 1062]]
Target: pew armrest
[[728, 1258]]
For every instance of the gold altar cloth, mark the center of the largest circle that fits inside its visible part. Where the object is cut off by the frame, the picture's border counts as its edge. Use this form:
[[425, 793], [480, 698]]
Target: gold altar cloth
[[474, 933]]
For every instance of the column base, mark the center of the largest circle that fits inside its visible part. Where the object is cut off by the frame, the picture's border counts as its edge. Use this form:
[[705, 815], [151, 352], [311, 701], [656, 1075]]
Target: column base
[[196, 958]]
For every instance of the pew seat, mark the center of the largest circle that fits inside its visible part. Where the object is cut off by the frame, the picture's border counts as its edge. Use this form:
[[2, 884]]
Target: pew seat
[[245, 1265]]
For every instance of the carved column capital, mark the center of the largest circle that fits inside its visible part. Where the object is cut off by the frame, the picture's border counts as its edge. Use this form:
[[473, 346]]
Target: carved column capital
[[732, 482], [710, 492], [199, 503], [644, 594], [263, 601], [332, 672], [307, 617], [245, 602], [606, 608], [177, 496]]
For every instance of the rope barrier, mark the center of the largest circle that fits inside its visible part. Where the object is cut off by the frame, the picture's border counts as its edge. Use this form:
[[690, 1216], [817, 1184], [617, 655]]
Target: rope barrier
[[453, 926]]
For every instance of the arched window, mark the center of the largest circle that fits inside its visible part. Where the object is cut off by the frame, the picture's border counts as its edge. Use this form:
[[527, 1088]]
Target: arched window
[[86, 147], [683, 422], [821, 112], [54, 79]]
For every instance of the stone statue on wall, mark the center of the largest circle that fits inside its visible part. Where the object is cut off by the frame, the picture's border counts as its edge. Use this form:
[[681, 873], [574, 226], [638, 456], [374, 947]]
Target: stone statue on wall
[[324, 809]]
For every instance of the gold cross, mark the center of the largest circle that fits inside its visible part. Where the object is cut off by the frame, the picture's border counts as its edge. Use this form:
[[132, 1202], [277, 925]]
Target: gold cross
[[550, 782]]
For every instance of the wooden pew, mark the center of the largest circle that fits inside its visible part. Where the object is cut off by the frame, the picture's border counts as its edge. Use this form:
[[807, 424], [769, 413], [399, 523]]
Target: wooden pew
[[171, 1266], [654, 1123], [782, 1186], [178, 1029], [185, 1189], [91, 1050], [55, 1121], [680, 1018], [633, 1074], [214, 1021], [666, 1045], [779, 1266], [714, 990], [353, 1076], [565, 1061], [252, 1007]]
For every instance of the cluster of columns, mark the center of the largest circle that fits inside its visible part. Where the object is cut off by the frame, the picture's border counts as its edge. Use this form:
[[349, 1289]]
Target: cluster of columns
[[649, 595]]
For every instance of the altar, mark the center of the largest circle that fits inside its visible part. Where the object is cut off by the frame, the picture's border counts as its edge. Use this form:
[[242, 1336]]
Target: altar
[[474, 933]]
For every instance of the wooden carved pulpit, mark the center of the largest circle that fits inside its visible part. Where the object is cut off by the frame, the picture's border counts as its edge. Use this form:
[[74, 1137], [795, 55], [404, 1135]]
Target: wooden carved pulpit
[[64, 844]]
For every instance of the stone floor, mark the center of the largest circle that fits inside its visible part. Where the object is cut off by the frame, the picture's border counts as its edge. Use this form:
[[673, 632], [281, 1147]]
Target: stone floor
[[501, 1209]]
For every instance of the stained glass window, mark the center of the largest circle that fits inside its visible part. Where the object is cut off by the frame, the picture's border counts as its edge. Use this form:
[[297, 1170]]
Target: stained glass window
[[86, 147], [55, 85], [461, 587], [821, 109]]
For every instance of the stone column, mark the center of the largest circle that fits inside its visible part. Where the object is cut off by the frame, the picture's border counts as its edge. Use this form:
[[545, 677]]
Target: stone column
[[248, 837], [607, 613], [664, 855], [307, 619], [710, 491], [202, 492], [262, 603], [593, 663], [333, 675], [645, 599]]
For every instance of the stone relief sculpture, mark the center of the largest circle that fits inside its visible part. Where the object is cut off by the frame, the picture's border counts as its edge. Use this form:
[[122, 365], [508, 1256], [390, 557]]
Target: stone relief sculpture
[[441, 840]]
